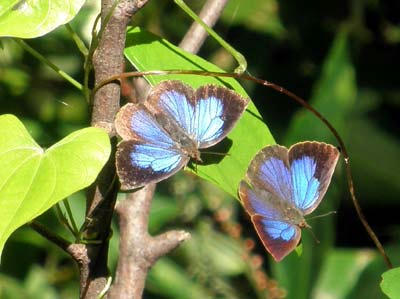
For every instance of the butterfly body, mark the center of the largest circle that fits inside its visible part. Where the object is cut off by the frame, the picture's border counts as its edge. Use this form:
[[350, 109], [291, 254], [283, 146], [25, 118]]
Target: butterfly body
[[161, 135], [184, 142], [282, 186]]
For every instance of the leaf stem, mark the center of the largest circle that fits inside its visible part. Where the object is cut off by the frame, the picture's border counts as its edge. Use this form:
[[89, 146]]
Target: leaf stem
[[71, 218], [63, 220], [78, 41], [43, 59]]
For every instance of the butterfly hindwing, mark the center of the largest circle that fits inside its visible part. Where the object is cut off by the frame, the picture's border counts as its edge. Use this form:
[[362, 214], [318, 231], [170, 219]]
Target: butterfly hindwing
[[278, 236], [141, 163], [149, 154]]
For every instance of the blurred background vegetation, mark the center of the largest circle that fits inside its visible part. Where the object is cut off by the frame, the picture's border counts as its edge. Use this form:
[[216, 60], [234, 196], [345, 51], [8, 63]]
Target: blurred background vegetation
[[343, 56]]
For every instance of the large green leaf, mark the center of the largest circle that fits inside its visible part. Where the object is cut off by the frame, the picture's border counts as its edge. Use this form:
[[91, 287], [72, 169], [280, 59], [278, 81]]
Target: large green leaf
[[147, 51], [32, 179], [390, 284], [341, 271], [32, 18]]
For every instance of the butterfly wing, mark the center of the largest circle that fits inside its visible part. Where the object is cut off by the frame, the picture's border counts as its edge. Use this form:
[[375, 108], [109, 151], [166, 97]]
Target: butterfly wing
[[269, 171], [147, 154], [206, 116], [217, 109], [287, 184], [312, 165], [278, 236]]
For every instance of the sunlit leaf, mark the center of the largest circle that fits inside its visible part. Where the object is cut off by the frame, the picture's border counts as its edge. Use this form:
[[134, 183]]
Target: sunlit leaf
[[33, 179], [149, 52], [33, 18], [390, 284]]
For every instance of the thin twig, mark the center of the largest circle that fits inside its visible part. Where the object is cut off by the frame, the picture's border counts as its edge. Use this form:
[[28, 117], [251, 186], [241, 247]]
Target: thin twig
[[49, 235]]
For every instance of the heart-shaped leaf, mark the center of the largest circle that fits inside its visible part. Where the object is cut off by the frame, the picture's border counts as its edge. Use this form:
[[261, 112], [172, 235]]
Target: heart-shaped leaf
[[28, 18], [147, 51], [32, 179]]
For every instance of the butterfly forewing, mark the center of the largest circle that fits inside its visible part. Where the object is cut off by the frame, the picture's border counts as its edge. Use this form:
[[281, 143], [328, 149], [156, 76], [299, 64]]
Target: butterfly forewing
[[206, 115], [312, 166], [217, 109], [174, 100], [269, 170]]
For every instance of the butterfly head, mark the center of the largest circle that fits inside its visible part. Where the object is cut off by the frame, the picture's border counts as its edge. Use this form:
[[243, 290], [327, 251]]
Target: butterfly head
[[193, 153], [303, 224]]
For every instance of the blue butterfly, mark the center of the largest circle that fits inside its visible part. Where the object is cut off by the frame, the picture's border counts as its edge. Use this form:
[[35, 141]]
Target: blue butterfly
[[283, 186], [161, 135]]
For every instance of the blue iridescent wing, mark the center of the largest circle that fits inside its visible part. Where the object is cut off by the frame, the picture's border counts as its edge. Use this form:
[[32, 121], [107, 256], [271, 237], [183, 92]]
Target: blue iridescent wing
[[174, 100], [311, 165], [269, 171], [286, 184], [206, 115], [217, 109], [147, 154], [278, 235]]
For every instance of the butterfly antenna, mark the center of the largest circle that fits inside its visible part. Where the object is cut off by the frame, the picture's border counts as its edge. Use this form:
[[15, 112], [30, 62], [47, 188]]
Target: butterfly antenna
[[216, 153], [322, 215], [312, 234]]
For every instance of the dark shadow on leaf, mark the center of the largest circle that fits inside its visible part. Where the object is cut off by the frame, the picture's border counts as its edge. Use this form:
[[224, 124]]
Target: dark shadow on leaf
[[213, 155]]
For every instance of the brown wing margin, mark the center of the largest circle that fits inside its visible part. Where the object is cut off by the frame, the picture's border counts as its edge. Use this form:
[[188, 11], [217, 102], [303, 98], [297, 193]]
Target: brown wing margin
[[326, 157]]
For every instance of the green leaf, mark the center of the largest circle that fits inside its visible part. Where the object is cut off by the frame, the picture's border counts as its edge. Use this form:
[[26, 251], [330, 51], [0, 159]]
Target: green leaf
[[168, 279], [163, 210], [333, 96], [32, 180], [147, 51], [222, 254], [29, 18], [390, 284], [341, 271], [262, 16]]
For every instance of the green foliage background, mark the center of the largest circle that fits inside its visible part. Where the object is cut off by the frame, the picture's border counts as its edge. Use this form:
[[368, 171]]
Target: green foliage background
[[341, 55]]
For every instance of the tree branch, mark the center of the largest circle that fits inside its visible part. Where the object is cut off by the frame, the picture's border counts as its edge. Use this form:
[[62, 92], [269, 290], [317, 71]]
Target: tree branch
[[196, 35], [108, 60], [138, 250]]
